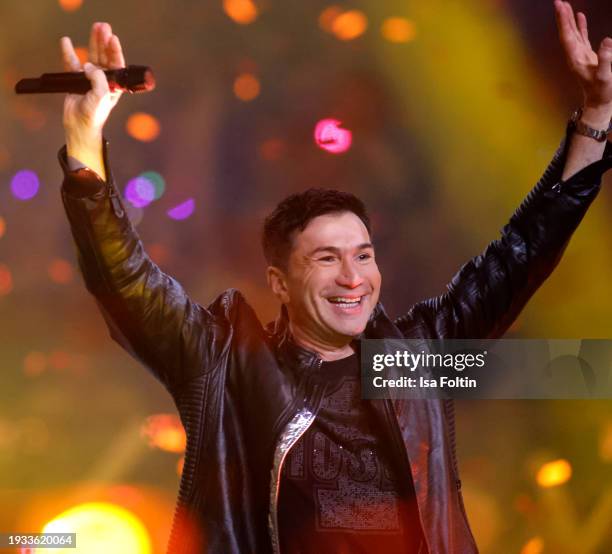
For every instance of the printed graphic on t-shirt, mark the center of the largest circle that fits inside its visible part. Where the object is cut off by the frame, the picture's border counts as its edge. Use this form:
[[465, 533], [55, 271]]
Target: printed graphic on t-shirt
[[337, 463]]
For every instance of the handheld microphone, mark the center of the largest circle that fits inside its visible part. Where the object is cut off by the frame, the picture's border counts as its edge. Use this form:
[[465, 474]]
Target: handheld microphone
[[133, 78]]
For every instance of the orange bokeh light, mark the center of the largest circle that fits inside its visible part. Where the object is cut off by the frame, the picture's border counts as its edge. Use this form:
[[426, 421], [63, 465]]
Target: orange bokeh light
[[328, 16], [246, 87], [6, 280], [82, 54], [2, 227], [605, 443], [398, 29], [58, 359], [240, 11], [349, 25], [143, 126], [5, 157], [60, 271], [34, 364], [533, 546], [272, 149], [164, 431], [70, 5], [554, 473]]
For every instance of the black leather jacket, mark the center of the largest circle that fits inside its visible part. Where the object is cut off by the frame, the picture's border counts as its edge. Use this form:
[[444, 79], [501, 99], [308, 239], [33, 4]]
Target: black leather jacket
[[244, 392]]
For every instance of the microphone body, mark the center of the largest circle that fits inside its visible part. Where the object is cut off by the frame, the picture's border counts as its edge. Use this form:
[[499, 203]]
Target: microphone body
[[133, 78]]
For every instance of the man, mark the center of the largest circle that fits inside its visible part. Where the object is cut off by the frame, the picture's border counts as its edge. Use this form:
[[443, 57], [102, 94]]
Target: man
[[282, 454]]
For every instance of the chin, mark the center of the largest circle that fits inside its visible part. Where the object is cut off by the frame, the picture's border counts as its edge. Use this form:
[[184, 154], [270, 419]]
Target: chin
[[350, 330]]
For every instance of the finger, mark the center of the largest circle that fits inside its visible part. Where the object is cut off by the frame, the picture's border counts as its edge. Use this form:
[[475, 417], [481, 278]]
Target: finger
[[94, 56], [99, 83], [604, 67], [115, 53], [570, 16], [104, 34], [563, 24], [582, 26], [69, 57]]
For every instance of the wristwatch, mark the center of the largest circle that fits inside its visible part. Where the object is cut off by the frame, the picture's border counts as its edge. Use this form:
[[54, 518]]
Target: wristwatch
[[582, 128]]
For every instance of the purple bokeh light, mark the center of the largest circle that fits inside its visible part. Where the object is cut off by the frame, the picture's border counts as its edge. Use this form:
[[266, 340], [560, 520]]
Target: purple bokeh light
[[25, 184], [183, 210], [140, 192]]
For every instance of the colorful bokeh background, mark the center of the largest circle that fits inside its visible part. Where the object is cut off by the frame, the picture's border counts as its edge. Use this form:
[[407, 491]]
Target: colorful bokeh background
[[441, 114]]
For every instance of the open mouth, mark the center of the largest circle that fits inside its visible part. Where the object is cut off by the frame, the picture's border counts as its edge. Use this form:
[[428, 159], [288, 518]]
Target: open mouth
[[346, 302]]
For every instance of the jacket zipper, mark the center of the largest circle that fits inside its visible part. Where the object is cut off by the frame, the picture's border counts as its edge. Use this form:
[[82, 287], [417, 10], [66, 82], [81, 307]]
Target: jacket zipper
[[292, 432]]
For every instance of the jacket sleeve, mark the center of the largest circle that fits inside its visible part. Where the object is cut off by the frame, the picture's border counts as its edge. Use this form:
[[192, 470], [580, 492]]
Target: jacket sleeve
[[147, 312], [488, 292]]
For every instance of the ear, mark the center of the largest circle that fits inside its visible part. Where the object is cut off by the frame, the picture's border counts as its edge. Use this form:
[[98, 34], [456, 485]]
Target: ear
[[278, 283]]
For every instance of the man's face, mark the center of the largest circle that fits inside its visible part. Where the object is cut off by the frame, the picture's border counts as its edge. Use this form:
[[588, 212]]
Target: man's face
[[332, 281]]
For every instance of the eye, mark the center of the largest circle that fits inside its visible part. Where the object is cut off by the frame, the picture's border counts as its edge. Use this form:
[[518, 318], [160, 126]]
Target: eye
[[365, 256], [327, 259]]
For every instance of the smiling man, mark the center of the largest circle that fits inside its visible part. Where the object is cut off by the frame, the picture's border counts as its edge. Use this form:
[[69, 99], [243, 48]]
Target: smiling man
[[282, 453]]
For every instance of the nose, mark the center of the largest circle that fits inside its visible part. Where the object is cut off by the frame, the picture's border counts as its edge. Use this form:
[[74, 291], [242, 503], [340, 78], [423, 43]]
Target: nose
[[349, 275]]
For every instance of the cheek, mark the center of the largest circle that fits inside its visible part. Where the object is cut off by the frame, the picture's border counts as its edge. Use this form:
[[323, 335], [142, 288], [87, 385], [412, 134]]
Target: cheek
[[375, 277]]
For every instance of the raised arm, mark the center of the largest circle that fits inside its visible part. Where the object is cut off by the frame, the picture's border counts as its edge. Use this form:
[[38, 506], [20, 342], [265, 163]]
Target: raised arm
[[488, 292], [147, 312], [594, 74]]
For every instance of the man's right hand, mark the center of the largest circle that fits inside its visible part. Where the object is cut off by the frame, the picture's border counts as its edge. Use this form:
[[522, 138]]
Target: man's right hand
[[85, 115]]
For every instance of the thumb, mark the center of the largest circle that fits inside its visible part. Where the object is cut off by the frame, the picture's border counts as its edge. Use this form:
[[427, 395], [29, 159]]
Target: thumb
[[604, 68]]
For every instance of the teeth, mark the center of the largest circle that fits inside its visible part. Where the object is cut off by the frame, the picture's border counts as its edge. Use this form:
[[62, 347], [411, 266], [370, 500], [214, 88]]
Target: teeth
[[345, 301]]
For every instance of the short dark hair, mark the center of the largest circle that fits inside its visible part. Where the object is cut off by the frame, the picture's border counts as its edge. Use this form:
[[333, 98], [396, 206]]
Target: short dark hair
[[295, 212]]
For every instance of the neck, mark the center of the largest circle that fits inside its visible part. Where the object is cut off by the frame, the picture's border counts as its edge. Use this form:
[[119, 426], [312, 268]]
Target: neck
[[327, 352]]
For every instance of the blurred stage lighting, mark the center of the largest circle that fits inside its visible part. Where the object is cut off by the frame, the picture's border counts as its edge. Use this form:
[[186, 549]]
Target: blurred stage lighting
[[101, 528], [533, 546], [143, 126], [554, 473], [183, 210], [242, 12], [6, 280], [349, 25], [24, 184], [139, 192], [246, 87], [164, 431], [70, 5], [330, 137], [398, 29]]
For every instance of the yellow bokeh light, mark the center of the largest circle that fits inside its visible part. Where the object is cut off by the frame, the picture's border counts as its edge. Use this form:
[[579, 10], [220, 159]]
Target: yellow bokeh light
[[349, 25], [240, 11], [70, 5], [143, 126], [533, 546], [101, 528], [2, 227], [246, 87], [398, 29], [554, 473], [605, 443]]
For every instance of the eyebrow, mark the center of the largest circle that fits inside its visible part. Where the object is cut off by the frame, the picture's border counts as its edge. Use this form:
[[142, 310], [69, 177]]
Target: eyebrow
[[336, 250]]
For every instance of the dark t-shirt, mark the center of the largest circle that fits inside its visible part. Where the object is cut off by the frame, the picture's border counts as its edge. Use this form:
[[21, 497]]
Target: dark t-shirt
[[339, 491]]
